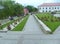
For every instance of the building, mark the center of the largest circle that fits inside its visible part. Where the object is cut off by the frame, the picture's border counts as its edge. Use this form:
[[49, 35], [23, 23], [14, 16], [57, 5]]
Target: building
[[49, 7], [26, 11]]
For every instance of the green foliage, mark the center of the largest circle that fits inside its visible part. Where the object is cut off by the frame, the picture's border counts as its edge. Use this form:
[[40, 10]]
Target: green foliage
[[51, 21], [18, 9], [10, 9], [52, 25], [21, 25], [31, 8]]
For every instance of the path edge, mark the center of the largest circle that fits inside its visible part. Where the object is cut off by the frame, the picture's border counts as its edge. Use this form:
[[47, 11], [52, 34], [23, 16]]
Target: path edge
[[44, 28]]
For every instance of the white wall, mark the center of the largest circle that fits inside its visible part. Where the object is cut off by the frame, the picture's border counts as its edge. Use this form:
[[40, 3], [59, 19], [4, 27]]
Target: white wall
[[52, 8]]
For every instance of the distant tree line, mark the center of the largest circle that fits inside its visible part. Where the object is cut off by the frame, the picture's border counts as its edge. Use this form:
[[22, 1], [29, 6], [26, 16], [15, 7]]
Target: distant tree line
[[31, 8], [13, 9], [10, 9]]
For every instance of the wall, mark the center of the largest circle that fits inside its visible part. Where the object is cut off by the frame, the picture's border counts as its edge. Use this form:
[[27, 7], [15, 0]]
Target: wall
[[52, 8]]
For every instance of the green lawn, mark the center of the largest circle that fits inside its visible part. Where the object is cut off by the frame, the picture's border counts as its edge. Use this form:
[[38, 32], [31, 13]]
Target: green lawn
[[21, 25], [52, 25], [51, 21]]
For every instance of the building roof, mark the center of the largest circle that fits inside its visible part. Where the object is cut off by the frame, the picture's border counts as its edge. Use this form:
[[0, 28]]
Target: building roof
[[50, 4]]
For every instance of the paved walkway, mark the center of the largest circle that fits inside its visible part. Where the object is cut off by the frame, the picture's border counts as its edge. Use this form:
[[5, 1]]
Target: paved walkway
[[10, 37], [32, 26], [31, 34]]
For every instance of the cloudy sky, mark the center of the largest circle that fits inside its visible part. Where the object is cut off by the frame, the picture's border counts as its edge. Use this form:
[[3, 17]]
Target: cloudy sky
[[36, 2]]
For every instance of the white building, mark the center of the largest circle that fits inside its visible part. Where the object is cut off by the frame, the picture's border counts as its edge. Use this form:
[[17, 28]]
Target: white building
[[49, 7]]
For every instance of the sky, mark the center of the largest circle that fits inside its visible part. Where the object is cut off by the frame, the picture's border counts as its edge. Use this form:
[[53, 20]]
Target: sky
[[35, 3]]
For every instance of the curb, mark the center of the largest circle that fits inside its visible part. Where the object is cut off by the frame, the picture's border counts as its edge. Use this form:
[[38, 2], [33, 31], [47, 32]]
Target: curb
[[44, 28]]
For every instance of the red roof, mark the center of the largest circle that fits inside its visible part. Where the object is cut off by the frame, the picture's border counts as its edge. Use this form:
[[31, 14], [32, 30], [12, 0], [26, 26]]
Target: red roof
[[50, 4]]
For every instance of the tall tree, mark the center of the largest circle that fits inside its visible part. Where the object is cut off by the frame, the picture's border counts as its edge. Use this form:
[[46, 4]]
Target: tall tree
[[18, 8], [10, 8], [31, 8]]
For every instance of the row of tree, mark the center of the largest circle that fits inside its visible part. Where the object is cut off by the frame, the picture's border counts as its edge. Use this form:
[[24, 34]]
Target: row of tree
[[13, 9], [31, 8], [10, 9]]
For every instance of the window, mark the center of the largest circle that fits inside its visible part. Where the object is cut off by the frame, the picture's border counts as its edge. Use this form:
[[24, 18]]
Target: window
[[49, 11], [43, 8], [49, 8], [46, 10], [46, 7], [55, 7], [40, 8]]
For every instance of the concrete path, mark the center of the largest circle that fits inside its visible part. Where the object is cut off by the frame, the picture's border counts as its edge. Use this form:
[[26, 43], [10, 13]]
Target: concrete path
[[32, 26], [10, 37], [31, 34]]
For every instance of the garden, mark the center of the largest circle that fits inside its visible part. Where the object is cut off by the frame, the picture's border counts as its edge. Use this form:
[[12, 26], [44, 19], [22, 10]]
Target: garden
[[10, 9], [51, 21], [15, 25], [21, 25]]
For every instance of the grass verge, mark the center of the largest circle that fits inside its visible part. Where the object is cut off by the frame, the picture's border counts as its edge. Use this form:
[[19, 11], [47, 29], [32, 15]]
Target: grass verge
[[20, 26], [51, 21]]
